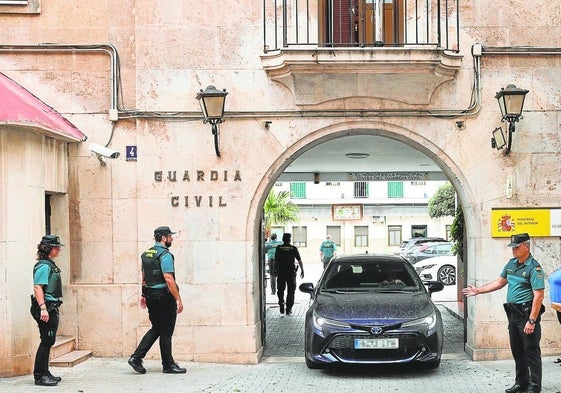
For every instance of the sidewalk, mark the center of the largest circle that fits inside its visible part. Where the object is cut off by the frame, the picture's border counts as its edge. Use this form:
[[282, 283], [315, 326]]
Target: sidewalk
[[283, 369], [110, 375]]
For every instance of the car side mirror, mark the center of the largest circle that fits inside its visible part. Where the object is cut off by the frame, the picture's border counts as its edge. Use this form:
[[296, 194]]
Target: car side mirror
[[307, 287], [434, 286]]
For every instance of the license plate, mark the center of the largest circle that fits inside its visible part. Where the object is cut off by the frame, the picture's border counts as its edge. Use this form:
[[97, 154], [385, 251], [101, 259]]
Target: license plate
[[376, 343]]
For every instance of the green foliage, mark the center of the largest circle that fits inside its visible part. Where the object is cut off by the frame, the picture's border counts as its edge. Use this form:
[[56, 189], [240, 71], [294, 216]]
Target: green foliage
[[279, 209], [443, 201], [457, 232]]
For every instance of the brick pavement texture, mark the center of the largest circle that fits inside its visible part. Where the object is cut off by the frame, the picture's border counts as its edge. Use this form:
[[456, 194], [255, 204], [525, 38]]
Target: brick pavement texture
[[283, 370], [113, 375]]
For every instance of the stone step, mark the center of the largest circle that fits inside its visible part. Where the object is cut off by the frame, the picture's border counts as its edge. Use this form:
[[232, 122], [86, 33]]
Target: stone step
[[63, 344], [71, 359]]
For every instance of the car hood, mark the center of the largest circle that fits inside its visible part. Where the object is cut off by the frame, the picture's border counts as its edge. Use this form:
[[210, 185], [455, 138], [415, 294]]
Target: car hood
[[367, 307]]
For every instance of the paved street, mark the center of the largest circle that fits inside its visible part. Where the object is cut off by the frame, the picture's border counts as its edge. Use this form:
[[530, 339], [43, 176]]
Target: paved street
[[283, 369]]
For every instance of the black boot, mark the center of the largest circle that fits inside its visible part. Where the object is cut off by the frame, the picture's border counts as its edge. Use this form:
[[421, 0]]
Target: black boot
[[516, 389], [174, 369], [45, 380], [58, 379], [136, 364]]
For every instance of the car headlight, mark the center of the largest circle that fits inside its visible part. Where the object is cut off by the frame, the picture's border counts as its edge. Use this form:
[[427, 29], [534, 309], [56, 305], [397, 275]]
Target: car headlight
[[425, 267], [321, 322], [426, 325]]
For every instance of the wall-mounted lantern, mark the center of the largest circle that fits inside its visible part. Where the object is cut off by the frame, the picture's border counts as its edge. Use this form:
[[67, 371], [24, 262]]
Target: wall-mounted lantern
[[511, 102], [212, 103]]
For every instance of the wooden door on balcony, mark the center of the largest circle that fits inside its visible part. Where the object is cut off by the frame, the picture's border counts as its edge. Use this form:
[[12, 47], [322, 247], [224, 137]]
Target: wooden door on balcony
[[359, 22]]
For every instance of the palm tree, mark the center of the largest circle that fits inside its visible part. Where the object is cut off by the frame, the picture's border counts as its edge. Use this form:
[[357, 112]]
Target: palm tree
[[278, 209]]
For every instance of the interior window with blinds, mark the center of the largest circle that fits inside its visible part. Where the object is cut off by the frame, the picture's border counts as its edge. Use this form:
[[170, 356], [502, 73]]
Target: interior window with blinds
[[300, 236], [361, 189]]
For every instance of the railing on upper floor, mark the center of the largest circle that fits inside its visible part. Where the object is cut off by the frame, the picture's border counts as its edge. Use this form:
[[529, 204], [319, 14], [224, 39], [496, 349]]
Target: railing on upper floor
[[291, 24]]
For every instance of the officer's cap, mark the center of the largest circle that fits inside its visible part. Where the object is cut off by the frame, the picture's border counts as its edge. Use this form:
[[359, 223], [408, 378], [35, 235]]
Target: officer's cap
[[516, 240], [163, 231], [51, 240]]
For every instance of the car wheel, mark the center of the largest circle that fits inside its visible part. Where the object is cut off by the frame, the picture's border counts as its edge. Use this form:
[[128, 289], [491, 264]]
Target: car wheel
[[447, 275], [312, 365], [432, 364]]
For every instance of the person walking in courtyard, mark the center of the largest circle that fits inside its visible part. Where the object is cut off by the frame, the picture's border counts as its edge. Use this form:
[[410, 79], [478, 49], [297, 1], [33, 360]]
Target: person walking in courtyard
[[271, 248], [525, 293], [160, 294], [46, 299], [285, 257], [327, 250]]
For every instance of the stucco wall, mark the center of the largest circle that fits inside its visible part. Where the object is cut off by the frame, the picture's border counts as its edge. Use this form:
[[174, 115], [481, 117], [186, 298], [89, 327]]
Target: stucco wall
[[31, 165], [167, 52]]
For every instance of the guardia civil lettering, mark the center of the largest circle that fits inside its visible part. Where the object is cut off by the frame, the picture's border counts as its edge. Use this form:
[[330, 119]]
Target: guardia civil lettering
[[197, 175]]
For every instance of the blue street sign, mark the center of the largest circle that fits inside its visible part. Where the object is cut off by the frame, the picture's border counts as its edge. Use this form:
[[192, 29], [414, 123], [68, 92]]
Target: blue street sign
[[132, 153]]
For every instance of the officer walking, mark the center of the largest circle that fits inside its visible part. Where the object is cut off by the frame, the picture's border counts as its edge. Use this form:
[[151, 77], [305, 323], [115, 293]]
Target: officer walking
[[525, 279], [285, 255], [327, 250], [160, 294]]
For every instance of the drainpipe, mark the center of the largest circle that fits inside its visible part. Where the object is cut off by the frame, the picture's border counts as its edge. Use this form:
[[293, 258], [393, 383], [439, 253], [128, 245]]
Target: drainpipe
[[520, 50], [116, 112], [103, 48]]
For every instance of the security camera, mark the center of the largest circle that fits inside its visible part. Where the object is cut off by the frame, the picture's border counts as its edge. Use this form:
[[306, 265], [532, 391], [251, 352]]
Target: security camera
[[104, 151]]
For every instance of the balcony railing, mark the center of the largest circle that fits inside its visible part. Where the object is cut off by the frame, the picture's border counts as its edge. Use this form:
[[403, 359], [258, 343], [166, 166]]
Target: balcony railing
[[292, 24]]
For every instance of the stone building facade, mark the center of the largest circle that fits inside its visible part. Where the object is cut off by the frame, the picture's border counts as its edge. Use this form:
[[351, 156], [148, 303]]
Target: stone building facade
[[125, 74]]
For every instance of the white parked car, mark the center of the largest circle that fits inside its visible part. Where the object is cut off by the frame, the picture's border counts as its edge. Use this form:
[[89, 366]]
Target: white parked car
[[441, 269], [416, 241]]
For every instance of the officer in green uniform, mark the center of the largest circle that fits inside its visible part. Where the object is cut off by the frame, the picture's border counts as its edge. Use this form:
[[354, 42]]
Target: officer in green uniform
[[160, 294], [285, 258], [271, 248], [327, 250], [525, 279], [46, 299]]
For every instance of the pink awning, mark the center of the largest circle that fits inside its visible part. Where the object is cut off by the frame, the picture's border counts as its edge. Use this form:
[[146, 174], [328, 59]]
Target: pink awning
[[19, 107]]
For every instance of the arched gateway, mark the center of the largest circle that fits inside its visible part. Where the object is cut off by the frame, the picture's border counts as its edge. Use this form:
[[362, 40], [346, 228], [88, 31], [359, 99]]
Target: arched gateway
[[349, 130]]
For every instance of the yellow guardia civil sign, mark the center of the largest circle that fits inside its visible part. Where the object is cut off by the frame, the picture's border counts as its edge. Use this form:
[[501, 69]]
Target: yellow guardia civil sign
[[535, 222]]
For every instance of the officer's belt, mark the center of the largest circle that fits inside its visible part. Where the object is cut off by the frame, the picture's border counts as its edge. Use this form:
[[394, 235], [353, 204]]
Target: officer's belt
[[521, 308], [156, 291]]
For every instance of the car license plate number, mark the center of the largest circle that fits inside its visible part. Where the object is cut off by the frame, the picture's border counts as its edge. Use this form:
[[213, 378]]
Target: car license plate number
[[376, 343]]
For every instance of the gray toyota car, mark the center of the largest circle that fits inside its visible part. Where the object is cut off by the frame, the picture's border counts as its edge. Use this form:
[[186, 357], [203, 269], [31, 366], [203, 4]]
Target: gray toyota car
[[372, 309]]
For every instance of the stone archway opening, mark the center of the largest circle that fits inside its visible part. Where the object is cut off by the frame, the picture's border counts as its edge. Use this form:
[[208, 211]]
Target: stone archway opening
[[336, 158]]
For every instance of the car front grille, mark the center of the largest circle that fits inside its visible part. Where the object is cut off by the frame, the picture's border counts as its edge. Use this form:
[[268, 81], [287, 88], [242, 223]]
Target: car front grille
[[342, 346]]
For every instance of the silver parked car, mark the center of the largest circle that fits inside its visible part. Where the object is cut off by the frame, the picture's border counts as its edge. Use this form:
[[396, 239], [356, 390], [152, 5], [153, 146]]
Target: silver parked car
[[407, 245], [429, 250]]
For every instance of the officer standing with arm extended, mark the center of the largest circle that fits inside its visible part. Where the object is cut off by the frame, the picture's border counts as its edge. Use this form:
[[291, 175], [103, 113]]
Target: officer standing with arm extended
[[160, 294], [525, 279], [285, 255]]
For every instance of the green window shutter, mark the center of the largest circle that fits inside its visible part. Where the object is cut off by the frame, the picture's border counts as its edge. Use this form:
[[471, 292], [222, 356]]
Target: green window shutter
[[395, 189], [298, 190]]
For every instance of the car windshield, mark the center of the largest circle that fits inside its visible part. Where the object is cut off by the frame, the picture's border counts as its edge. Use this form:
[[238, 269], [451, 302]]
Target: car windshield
[[368, 275]]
